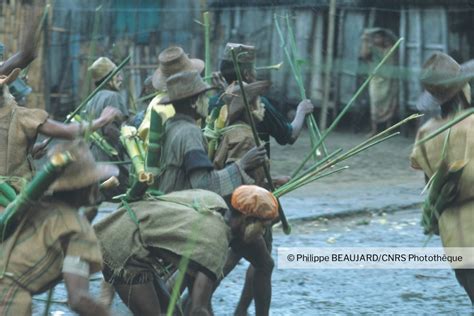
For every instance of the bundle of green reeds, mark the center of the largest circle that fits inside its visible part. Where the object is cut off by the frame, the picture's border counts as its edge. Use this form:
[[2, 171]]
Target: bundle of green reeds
[[326, 166], [12, 215], [295, 65]]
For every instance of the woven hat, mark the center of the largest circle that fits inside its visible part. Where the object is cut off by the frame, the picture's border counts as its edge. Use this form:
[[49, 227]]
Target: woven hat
[[10, 78], [184, 85], [83, 171], [255, 201], [173, 60], [233, 96], [244, 53], [101, 68], [442, 77]]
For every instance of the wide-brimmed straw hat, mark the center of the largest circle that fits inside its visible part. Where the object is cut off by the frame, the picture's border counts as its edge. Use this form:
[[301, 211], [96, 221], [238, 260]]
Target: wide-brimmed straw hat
[[83, 170], [244, 53], [173, 60], [10, 78], [233, 96], [101, 68], [184, 85], [255, 201], [442, 78]]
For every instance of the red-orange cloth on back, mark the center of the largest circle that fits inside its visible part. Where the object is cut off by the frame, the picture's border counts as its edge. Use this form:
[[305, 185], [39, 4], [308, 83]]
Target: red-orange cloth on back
[[252, 200]]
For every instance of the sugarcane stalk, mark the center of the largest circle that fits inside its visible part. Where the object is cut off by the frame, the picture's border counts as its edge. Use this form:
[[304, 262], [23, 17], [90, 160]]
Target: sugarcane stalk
[[148, 96], [15, 211], [127, 138], [100, 141], [286, 226], [207, 46], [7, 191], [310, 122], [155, 135], [348, 105], [445, 127]]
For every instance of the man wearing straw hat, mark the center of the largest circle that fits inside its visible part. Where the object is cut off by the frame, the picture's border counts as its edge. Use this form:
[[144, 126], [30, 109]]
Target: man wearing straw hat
[[171, 61], [272, 122], [184, 159], [108, 96], [20, 126], [236, 140], [54, 241], [448, 159], [383, 88]]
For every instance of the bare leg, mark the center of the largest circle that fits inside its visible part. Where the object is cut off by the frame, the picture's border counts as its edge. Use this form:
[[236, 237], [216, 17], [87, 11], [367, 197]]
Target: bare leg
[[258, 255], [140, 298], [200, 295], [246, 297]]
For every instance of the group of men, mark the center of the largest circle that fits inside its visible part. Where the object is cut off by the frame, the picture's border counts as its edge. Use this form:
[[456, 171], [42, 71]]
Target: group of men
[[213, 208]]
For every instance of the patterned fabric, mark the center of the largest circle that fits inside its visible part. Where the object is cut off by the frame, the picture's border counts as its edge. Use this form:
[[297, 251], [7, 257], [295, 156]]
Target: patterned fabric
[[183, 142], [171, 222], [32, 257], [456, 223], [18, 131]]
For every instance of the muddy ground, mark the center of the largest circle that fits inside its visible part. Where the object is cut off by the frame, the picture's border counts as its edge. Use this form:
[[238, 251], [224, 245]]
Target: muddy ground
[[374, 203]]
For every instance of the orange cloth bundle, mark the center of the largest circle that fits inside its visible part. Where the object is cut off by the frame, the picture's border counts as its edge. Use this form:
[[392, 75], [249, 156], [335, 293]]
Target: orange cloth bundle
[[255, 201]]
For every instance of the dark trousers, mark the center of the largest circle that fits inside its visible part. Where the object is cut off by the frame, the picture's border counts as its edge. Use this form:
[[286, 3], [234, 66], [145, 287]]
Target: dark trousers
[[466, 279]]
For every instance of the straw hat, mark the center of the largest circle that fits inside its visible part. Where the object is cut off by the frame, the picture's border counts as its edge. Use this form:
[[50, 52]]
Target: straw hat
[[442, 77], [173, 60], [184, 85], [255, 201], [244, 53], [83, 171], [233, 96], [101, 68], [10, 78]]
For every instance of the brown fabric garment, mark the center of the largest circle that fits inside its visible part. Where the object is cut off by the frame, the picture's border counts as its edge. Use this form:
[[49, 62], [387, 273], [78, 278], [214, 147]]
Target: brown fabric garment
[[18, 132], [234, 143], [456, 223], [172, 223], [33, 256]]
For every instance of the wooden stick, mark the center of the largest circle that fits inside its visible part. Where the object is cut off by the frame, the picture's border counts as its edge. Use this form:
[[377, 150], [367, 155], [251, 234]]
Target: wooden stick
[[348, 105], [284, 221]]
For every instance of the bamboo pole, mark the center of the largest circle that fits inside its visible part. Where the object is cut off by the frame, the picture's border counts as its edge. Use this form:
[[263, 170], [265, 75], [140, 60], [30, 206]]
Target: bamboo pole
[[329, 60], [286, 226], [348, 106]]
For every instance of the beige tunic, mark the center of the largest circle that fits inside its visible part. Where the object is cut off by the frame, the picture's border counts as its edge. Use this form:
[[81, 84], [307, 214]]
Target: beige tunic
[[18, 132], [31, 259], [456, 223]]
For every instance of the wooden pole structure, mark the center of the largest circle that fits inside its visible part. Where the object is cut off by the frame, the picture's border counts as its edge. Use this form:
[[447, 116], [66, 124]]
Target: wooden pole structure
[[284, 222], [329, 60]]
